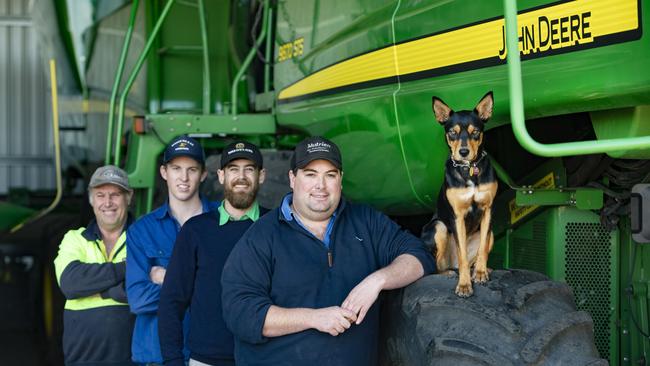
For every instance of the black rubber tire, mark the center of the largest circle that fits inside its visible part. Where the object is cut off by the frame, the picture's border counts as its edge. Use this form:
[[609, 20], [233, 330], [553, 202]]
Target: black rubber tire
[[518, 318]]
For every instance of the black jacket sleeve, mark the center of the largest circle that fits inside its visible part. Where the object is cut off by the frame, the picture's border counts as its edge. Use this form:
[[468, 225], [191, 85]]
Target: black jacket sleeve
[[246, 285], [176, 295], [117, 293], [390, 241], [80, 279]]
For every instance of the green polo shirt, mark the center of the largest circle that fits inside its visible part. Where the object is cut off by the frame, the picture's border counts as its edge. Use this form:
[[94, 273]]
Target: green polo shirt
[[253, 213]]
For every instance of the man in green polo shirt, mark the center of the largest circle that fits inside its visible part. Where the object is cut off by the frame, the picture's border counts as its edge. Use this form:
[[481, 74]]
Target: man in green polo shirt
[[193, 278]]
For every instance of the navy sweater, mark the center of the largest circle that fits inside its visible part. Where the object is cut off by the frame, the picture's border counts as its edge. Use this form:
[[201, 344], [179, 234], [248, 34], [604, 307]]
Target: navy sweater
[[277, 262], [193, 279]]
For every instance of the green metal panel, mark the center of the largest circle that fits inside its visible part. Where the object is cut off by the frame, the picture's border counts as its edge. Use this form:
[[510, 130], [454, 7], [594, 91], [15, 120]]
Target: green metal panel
[[571, 245], [364, 126], [623, 123], [144, 149], [591, 267], [635, 305], [583, 198], [11, 215], [176, 69], [171, 125], [63, 19], [529, 245]]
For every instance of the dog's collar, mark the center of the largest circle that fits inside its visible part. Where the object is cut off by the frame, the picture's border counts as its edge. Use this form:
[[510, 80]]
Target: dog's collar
[[471, 165]]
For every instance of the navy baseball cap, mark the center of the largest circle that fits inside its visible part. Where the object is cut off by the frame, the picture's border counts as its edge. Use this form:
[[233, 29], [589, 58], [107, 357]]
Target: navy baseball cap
[[314, 148], [184, 146], [241, 150]]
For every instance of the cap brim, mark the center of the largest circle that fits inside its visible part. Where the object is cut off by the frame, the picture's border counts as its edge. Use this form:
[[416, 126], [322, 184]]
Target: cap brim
[[315, 156], [188, 155], [101, 183], [237, 156]]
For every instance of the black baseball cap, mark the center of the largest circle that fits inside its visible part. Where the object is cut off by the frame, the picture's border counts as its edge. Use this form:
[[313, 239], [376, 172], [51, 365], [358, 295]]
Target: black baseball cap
[[314, 148], [184, 146], [241, 150]]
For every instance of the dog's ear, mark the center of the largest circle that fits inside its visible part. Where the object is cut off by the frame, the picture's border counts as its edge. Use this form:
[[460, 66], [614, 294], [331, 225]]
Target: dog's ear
[[484, 107], [441, 110]]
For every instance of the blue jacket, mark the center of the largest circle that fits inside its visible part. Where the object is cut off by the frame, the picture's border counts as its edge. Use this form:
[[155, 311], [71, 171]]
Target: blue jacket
[[278, 262], [150, 242]]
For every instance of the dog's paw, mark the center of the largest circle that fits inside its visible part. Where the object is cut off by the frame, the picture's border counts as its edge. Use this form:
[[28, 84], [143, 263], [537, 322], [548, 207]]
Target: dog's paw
[[481, 276], [450, 273], [464, 290]]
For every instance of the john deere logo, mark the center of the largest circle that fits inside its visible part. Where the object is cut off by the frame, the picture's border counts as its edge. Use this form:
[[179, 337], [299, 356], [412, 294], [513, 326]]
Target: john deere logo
[[240, 145], [182, 144]]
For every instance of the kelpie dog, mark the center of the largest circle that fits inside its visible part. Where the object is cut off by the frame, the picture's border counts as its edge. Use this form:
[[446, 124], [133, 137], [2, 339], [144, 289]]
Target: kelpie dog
[[463, 234]]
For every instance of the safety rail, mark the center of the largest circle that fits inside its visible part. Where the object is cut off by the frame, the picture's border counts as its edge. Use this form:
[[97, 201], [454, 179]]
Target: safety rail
[[518, 120], [57, 155], [118, 78]]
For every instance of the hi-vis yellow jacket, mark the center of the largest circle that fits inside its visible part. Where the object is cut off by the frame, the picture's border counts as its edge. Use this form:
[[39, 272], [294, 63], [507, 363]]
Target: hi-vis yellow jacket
[[88, 276], [97, 322]]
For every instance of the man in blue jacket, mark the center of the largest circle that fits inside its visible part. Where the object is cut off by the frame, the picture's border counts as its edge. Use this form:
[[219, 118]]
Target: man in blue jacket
[[194, 271], [300, 287], [150, 241]]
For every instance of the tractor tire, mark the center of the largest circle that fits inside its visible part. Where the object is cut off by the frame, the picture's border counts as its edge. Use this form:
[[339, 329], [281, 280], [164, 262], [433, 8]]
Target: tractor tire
[[518, 318]]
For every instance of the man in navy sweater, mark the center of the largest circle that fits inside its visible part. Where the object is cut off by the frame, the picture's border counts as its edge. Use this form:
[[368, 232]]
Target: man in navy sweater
[[193, 275], [300, 287]]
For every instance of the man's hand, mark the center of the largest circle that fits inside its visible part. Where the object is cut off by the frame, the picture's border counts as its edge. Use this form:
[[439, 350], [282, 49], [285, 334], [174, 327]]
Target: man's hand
[[333, 320], [363, 295], [157, 274]]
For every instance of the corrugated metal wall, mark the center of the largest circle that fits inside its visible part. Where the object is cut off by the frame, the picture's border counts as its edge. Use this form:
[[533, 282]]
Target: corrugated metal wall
[[26, 146]]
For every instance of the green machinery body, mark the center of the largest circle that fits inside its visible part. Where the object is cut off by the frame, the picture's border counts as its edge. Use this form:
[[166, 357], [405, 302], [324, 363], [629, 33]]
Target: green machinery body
[[362, 72], [393, 148]]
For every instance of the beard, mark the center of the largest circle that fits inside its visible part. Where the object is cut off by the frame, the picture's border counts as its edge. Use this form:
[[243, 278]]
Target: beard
[[241, 200]]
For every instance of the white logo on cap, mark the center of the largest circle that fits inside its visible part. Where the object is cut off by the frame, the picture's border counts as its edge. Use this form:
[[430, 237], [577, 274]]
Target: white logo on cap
[[318, 146], [240, 150], [111, 174], [182, 145]]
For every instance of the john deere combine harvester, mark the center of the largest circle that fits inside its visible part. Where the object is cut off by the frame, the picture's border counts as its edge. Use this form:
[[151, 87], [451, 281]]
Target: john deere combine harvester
[[570, 137]]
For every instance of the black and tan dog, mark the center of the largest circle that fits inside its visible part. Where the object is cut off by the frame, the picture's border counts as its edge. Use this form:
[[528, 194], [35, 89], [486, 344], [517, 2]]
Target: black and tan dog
[[463, 234]]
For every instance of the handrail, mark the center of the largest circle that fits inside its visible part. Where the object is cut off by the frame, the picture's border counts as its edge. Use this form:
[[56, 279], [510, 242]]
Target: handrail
[[206, 59], [132, 77], [118, 78], [267, 56], [517, 107], [57, 152], [249, 58]]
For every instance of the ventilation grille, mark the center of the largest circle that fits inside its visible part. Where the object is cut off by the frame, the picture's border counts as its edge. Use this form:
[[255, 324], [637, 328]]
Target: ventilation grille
[[588, 271], [530, 253]]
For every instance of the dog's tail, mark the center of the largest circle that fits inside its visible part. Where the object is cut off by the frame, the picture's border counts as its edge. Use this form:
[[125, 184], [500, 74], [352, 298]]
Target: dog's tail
[[428, 232]]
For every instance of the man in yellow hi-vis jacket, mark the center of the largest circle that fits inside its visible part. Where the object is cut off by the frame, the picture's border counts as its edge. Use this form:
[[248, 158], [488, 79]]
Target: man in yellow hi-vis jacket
[[90, 268]]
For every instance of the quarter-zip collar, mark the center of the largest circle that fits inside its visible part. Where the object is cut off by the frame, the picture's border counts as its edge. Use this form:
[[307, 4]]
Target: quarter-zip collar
[[287, 214], [92, 232]]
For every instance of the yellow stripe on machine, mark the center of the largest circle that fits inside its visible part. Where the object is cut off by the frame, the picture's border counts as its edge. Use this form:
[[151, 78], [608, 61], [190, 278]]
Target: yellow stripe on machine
[[569, 25]]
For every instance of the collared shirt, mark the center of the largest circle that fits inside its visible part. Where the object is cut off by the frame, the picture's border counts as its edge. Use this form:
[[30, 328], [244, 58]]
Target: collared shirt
[[150, 241], [93, 233], [253, 213], [288, 214]]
